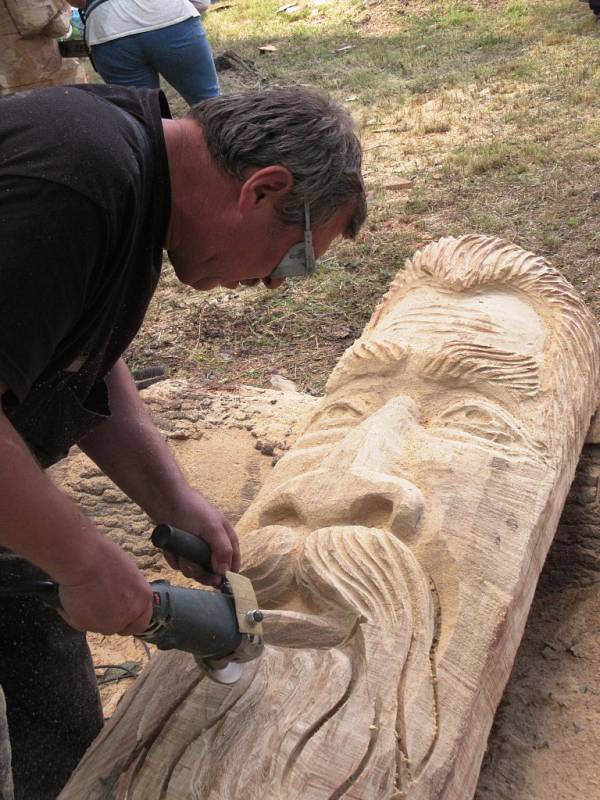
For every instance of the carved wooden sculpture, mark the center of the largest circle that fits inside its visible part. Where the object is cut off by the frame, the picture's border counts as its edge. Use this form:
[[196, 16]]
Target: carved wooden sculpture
[[29, 55], [397, 544]]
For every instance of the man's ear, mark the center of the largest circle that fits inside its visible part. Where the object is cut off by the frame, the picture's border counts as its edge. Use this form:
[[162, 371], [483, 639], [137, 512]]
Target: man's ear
[[264, 187]]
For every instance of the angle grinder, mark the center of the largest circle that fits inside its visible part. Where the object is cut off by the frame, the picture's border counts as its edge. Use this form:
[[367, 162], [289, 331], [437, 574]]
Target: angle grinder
[[221, 629]]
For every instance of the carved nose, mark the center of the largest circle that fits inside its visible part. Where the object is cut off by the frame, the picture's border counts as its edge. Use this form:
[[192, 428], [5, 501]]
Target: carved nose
[[358, 497]]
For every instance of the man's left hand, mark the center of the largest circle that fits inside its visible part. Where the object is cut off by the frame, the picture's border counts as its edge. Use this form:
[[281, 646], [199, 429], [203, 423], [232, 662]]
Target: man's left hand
[[197, 516]]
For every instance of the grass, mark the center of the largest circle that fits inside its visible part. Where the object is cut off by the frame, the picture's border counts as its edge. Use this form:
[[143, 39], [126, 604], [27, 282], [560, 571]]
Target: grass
[[490, 109]]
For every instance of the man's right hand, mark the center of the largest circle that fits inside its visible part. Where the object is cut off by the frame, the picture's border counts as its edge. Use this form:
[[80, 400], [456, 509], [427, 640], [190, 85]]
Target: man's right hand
[[112, 597], [101, 589]]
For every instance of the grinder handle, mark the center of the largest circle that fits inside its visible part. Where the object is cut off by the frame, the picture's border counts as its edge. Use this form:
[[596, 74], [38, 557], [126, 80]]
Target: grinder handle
[[182, 544]]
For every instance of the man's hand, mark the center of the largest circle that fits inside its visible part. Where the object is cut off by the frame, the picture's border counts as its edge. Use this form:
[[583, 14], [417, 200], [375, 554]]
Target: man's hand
[[129, 449], [111, 597], [101, 589], [194, 514]]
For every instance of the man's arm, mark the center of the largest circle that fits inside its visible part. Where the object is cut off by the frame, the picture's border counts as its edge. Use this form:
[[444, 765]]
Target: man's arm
[[130, 450], [101, 589]]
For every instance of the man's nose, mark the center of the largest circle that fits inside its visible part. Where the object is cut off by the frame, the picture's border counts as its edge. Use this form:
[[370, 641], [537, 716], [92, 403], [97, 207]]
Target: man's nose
[[357, 497]]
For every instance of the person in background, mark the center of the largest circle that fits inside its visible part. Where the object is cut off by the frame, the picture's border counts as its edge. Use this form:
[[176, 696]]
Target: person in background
[[134, 42]]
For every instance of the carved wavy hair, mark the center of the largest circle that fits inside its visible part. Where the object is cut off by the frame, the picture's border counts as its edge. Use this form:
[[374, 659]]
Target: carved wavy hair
[[474, 261]]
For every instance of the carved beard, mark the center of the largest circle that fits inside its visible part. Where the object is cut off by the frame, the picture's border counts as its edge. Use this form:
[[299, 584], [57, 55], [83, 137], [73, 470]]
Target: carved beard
[[372, 617]]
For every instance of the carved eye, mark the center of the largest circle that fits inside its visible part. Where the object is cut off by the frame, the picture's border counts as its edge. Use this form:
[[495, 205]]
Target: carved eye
[[489, 424], [328, 426], [338, 415]]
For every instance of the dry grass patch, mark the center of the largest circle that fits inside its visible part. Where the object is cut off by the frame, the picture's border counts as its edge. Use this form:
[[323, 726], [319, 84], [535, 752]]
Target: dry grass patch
[[474, 117]]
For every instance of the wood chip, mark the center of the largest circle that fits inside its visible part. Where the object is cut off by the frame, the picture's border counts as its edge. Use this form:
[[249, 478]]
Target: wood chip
[[344, 48], [268, 48], [397, 183]]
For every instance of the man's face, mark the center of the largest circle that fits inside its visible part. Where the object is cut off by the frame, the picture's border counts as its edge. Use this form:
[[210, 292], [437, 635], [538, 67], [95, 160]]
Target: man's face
[[238, 250], [410, 430]]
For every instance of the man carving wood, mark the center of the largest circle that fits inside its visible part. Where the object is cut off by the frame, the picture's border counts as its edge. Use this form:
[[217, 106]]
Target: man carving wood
[[248, 187], [397, 545]]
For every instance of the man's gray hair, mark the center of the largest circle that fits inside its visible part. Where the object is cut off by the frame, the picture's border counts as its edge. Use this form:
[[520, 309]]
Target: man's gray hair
[[298, 128]]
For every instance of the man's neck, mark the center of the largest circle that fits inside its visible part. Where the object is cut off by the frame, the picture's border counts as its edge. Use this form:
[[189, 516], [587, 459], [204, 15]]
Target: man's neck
[[198, 186]]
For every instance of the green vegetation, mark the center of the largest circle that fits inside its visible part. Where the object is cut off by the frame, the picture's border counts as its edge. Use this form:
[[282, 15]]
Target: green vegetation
[[490, 109]]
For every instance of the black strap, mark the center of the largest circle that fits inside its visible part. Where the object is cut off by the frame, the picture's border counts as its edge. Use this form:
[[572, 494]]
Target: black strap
[[91, 6]]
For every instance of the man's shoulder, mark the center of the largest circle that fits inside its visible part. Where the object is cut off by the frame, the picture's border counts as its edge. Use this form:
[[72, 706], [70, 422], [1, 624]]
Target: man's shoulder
[[102, 97], [147, 106], [86, 137]]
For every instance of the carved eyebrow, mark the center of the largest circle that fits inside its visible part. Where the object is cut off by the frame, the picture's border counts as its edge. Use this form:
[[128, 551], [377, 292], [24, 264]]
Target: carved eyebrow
[[474, 363], [371, 356]]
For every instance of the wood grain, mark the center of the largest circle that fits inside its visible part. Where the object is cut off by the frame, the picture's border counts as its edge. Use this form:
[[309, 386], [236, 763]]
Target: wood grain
[[397, 547]]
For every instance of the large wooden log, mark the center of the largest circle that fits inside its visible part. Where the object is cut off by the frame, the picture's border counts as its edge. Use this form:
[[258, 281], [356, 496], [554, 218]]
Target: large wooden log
[[544, 742], [397, 546]]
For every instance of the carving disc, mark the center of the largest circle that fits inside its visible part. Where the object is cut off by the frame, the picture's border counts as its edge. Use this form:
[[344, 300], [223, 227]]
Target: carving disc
[[225, 675]]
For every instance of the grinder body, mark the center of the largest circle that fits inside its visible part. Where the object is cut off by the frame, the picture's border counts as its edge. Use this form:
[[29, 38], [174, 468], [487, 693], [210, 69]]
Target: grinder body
[[220, 629], [195, 621]]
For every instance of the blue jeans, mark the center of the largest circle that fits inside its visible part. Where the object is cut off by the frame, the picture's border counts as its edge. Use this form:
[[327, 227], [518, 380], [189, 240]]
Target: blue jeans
[[180, 53]]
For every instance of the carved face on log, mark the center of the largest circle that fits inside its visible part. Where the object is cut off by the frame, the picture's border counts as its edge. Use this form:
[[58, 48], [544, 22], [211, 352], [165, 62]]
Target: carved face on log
[[456, 378], [410, 505], [397, 544], [438, 388]]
